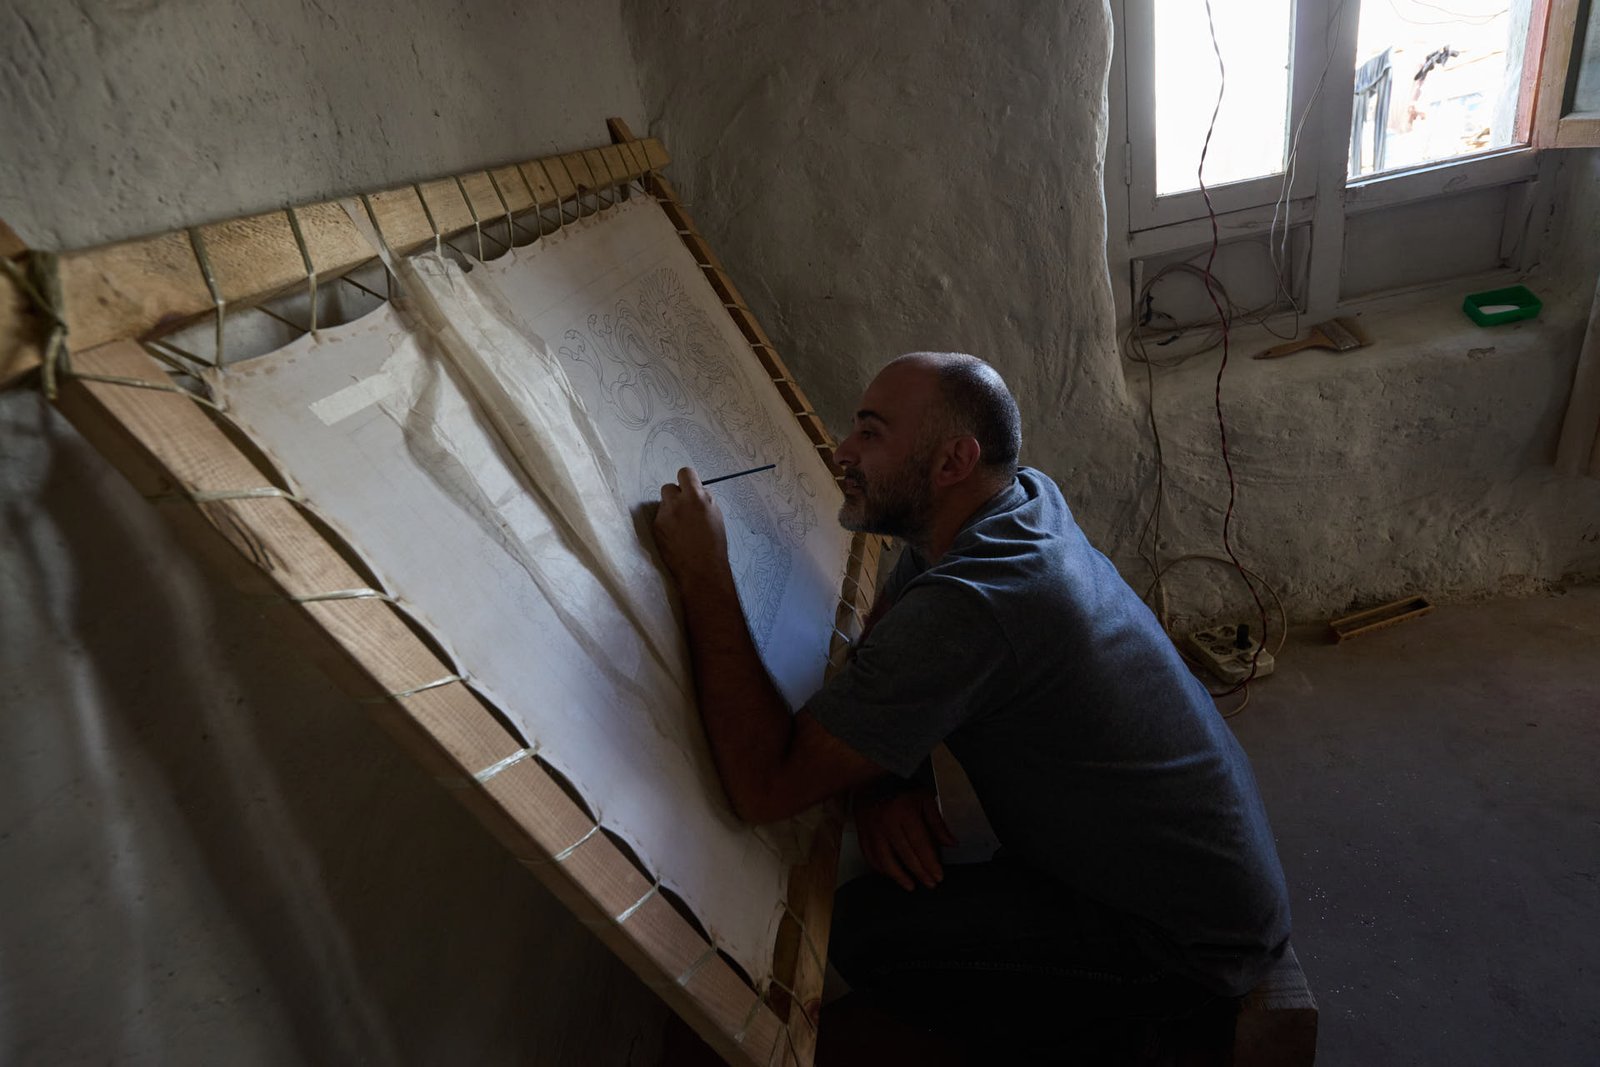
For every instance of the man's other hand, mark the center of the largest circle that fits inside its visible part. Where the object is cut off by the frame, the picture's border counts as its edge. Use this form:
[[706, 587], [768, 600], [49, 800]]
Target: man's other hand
[[900, 834], [689, 531]]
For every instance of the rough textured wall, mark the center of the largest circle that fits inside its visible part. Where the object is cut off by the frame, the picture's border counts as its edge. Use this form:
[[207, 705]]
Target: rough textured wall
[[1421, 464], [1418, 465], [125, 117], [207, 854], [894, 176]]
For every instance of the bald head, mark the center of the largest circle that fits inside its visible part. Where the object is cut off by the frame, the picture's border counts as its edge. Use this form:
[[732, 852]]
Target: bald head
[[935, 437], [973, 400]]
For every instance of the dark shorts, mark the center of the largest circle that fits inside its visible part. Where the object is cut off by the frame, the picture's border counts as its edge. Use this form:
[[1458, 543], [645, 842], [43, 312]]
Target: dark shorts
[[1001, 954]]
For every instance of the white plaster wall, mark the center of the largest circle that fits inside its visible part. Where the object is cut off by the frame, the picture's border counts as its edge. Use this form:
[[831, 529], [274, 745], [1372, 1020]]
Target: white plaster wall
[[208, 854], [1418, 465], [124, 117], [903, 175], [891, 176]]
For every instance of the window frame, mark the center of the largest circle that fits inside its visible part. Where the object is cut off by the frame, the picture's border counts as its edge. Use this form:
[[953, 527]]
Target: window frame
[[1147, 210], [1323, 197], [1553, 125]]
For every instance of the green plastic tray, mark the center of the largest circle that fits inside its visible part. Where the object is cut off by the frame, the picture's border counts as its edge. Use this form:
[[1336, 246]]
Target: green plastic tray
[[1526, 305]]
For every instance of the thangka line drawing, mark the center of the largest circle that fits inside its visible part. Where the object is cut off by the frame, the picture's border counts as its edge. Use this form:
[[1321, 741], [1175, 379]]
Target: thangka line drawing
[[667, 375], [755, 552]]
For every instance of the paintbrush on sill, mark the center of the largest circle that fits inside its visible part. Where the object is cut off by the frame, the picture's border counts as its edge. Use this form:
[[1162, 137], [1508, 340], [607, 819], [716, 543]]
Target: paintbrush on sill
[[1341, 335]]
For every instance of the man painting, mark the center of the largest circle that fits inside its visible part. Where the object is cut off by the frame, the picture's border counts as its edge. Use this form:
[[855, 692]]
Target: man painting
[[1137, 872]]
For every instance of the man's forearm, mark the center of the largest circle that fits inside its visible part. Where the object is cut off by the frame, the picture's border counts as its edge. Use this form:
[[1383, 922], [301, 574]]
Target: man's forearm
[[745, 718]]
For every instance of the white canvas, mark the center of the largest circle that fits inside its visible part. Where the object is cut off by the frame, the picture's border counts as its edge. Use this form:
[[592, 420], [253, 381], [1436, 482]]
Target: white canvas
[[490, 456], [670, 382]]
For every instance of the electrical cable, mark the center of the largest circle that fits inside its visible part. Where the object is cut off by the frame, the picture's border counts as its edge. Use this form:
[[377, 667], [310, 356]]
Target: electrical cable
[[1145, 327], [1206, 557], [1457, 18], [1161, 617], [1134, 341], [1154, 558], [1277, 245], [1280, 254], [1222, 367], [1242, 705], [1151, 530]]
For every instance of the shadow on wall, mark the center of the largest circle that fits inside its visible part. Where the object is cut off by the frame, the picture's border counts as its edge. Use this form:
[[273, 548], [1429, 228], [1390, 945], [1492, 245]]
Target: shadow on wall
[[208, 853], [882, 178]]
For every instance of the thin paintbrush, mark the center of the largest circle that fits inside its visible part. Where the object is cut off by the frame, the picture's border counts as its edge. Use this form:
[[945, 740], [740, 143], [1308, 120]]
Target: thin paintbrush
[[738, 474]]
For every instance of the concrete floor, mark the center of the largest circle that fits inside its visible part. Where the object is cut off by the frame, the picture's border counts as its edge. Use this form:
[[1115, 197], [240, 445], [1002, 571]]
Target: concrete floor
[[1435, 789]]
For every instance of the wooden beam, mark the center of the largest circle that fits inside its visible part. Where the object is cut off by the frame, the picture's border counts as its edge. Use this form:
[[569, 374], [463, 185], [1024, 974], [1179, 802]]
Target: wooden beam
[[22, 335], [760, 344], [22, 330], [11, 245], [152, 285], [1528, 84], [1578, 131]]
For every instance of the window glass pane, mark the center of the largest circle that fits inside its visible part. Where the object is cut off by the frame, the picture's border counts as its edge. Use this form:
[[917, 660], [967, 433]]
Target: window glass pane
[[1435, 80], [1249, 140], [1586, 57]]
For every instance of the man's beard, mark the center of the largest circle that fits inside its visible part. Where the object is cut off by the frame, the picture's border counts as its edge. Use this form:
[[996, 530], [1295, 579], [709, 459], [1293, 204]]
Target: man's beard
[[898, 505]]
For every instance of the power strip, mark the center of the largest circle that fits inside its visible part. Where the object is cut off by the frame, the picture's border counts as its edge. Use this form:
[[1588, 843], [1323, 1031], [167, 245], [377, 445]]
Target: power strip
[[1216, 651]]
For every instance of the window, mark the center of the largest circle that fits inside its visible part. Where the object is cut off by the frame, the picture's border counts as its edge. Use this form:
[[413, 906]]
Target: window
[[1438, 81], [1360, 145], [1250, 135], [1169, 42]]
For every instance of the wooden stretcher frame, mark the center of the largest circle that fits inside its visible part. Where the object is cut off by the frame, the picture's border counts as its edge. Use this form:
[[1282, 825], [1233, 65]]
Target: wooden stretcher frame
[[174, 450]]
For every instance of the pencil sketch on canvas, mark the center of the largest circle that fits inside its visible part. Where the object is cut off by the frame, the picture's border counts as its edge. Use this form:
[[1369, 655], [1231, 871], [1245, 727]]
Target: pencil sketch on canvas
[[498, 494], [661, 365]]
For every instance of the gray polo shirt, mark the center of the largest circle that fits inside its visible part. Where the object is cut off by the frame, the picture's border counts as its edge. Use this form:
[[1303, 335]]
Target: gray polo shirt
[[1098, 757]]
